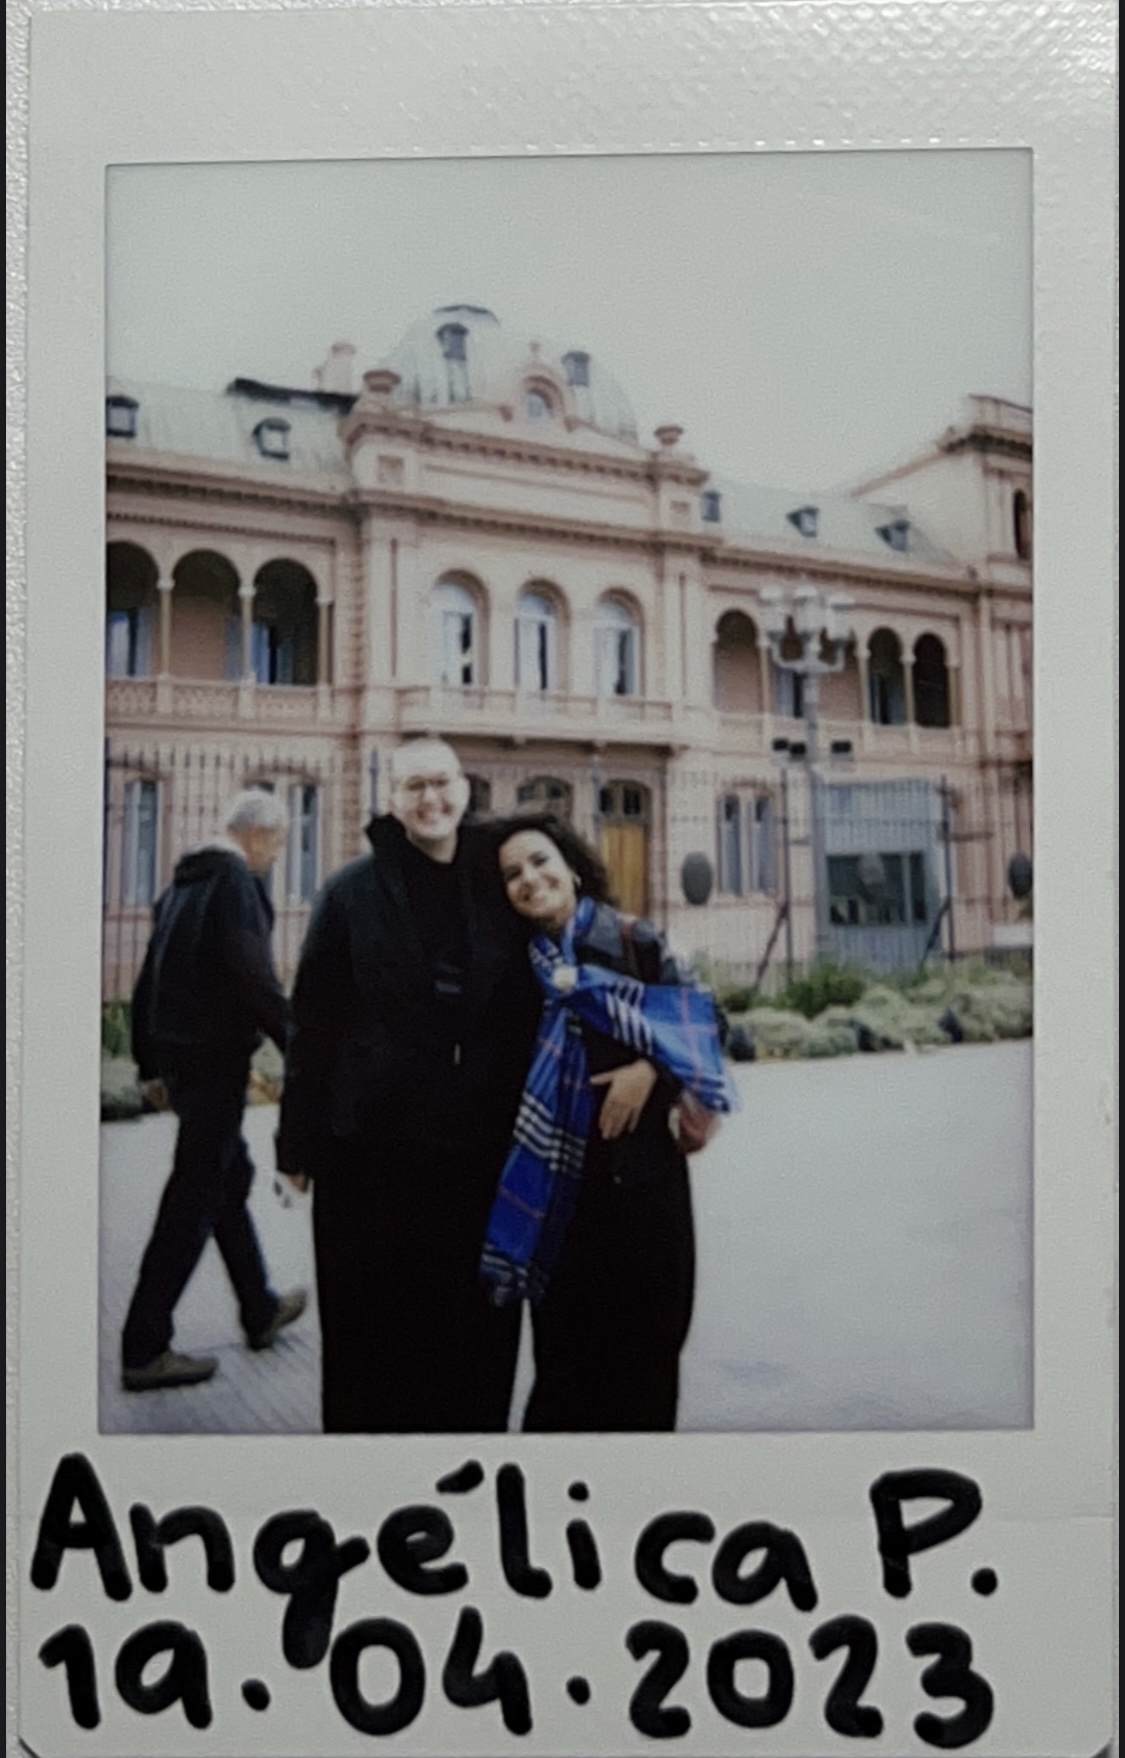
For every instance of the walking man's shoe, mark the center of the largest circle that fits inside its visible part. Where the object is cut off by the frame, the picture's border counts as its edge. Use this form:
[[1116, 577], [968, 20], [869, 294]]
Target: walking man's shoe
[[289, 1308], [169, 1370]]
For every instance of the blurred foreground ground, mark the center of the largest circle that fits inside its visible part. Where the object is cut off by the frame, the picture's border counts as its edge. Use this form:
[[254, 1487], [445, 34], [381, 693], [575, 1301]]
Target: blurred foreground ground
[[864, 1241]]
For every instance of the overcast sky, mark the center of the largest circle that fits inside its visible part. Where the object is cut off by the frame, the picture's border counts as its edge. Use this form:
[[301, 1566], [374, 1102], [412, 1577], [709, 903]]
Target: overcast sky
[[804, 317]]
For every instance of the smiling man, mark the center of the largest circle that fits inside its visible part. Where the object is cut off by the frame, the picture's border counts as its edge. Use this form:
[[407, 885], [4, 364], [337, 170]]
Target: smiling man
[[413, 1017]]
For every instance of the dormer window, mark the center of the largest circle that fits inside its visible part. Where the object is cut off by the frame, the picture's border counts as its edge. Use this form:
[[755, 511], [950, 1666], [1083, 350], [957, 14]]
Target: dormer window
[[896, 535], [452, 338], [272, 437], [711, 506], [577, 368], [538, 405], [805, 519], [121, 417]]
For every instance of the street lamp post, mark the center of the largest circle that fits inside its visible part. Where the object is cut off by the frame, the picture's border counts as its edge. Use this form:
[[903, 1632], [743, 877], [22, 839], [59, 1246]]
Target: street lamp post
[[820, 625]]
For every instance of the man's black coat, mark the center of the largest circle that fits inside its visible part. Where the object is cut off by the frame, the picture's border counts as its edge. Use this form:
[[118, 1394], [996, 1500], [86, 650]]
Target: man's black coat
[[207, 990], [368, 1061]]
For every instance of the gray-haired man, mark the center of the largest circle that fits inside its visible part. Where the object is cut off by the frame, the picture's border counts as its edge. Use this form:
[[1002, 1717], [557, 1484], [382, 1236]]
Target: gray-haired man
[[206, 995]]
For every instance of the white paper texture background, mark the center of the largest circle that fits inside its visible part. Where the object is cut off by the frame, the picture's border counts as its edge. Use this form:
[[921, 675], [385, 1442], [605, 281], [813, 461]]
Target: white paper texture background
[[417, 82]]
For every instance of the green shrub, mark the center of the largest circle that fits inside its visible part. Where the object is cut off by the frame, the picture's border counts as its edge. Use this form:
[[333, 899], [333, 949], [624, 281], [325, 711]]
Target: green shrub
[[778, 1033], [831, 1037], [920, 1026], [735, 1000], [116, 1027], [824, 985], [121, 1093], [1005, 1008]]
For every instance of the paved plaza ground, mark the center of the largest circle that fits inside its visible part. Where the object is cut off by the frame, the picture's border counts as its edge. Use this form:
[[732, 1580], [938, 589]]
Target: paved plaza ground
[[864, 1237]]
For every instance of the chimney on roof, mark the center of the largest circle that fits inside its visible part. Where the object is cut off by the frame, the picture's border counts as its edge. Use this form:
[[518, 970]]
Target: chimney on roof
[[338, 372]]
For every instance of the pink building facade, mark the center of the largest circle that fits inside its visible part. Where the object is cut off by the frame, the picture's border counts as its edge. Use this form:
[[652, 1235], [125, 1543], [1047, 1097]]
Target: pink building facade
[[474, 541]]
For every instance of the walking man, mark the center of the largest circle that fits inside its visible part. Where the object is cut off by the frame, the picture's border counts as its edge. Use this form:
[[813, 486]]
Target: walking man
[[206, 995], [414, 1012]]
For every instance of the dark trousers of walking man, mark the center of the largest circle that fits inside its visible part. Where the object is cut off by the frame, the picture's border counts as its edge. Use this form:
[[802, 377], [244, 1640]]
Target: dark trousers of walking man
[[206, 1195]]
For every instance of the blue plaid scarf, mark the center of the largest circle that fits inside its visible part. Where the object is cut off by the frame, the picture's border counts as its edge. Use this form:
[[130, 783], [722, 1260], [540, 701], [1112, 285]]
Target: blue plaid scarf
[[674, 1027]]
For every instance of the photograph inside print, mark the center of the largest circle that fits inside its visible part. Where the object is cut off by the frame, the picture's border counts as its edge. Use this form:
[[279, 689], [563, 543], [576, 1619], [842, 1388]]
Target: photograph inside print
[[687, 500]]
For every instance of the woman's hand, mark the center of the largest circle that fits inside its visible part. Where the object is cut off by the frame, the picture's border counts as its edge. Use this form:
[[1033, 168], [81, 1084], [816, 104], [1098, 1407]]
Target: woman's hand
[[627, 1093]]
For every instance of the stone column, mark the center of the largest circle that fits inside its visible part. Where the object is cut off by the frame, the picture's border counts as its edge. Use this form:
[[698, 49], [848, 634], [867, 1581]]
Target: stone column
[[765, 669], [246, 606], [324, 659], [864, 695], [246, 682], [908, 702], [164, 588], [323, 640], [1016, 679], [987, 670], [953, 676]]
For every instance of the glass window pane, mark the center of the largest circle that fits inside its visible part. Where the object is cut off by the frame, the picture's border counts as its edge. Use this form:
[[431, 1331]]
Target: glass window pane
[[139, 854], [765, 877]]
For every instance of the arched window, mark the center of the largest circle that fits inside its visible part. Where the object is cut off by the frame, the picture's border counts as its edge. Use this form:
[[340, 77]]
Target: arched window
[[1021, 525], [284, 634], [546, 793], [931, 682], [131, 610], [456, 627], [206, 620], [140, 851], [886, 687], [617, 649], [536, 642], [737, 666], [711, 506], [623, 802], [538, 402], [730, 845]]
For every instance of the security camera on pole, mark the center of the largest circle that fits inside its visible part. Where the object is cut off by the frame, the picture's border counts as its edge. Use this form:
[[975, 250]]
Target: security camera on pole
[[820, 625]]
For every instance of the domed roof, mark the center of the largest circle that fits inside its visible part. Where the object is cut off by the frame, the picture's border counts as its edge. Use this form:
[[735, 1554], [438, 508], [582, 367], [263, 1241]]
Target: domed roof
[[462, 354]]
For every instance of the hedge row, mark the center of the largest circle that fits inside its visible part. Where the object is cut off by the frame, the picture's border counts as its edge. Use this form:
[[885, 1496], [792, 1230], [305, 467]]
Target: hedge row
[[970, 1005], [834, 1010]]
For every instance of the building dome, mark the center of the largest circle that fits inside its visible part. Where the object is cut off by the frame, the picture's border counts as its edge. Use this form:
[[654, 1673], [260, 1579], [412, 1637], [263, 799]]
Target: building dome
[[462, 354]]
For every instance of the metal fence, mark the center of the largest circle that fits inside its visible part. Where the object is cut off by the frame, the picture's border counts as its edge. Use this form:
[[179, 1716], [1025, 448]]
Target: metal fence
[[910, 867]]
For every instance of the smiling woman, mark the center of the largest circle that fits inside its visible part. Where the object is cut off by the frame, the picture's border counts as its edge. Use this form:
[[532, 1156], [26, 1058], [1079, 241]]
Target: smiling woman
[[592, 1220]]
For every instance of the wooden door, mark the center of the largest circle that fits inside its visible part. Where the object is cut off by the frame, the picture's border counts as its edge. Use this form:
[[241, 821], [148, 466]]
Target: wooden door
[[624, 849]]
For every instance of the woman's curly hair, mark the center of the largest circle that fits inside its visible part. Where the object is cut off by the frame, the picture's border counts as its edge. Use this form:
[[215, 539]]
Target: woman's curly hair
[[574, 849]]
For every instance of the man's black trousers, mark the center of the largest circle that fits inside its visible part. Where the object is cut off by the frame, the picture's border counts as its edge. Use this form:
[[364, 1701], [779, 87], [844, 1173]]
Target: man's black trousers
[[206, 1195], [411, 1343]]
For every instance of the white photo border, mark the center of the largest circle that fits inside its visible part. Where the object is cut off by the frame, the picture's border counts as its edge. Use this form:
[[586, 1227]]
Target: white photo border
[[418, 81]]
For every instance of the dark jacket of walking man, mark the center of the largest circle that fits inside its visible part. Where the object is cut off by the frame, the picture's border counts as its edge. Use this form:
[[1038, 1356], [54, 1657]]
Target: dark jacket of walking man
[[413, 1017], [206, 995]]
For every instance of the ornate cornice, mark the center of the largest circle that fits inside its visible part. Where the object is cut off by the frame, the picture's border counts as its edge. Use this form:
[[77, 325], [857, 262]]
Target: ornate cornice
[[988, 444], [147, 474], [416, 431], [354, 505]]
